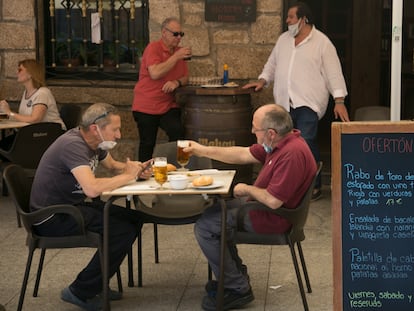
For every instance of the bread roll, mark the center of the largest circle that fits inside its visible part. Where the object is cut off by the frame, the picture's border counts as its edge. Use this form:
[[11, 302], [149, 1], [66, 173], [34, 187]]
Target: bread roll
[[202, 181], [171, 167]]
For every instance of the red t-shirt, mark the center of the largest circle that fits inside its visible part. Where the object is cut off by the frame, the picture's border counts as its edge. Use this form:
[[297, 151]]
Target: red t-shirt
[[286, 174], [148, 95]]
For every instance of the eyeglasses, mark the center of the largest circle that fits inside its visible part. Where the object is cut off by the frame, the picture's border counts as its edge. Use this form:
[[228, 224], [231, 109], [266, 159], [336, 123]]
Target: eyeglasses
[[176, 33], [255, 130]]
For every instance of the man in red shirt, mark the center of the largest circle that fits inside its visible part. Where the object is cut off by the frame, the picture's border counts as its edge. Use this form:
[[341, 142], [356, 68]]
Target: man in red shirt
[[163, 69], [287, 172]]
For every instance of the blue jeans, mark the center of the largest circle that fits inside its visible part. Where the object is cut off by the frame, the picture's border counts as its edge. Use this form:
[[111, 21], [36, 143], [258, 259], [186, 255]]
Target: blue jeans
[[306, 120], [148, 125]]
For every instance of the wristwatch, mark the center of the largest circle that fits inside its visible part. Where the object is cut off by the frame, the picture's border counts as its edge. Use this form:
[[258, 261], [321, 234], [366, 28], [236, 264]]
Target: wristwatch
[[11, 114]]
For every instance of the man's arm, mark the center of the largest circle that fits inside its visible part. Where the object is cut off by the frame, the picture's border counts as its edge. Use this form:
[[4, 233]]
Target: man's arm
[[231, 155], [258, 194], [93, 186], [157, 71]]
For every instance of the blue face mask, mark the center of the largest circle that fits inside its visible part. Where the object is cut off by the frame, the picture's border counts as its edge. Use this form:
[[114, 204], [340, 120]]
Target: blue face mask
[[267, 148]]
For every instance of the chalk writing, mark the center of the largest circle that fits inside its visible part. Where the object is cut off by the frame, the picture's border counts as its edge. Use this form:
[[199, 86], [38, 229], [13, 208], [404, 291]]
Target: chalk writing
[[378, 221]]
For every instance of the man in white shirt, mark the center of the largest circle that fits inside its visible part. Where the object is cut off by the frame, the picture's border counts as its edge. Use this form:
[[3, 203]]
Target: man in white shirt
[[305, 69]]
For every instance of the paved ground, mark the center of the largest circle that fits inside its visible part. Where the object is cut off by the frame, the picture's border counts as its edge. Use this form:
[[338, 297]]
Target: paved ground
[[177, 282]]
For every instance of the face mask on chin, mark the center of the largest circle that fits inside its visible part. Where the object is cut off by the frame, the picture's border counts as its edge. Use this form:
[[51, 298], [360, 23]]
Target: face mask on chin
[[105, 144], [294, 29], [267, 148]]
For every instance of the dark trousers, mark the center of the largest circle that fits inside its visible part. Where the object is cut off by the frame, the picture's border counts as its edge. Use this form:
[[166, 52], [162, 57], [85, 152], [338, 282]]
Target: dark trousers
[[148, 125], [306, 120], [124, 226]]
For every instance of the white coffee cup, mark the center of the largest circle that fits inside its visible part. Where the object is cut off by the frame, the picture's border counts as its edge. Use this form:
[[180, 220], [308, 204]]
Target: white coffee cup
[[178, 182]]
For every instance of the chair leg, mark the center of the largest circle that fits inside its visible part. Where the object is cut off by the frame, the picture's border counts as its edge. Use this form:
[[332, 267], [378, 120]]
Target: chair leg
[[139, 238], [299, 278], [130, 269], [119, 278], [25, 279], [130, 258], [5, 191], [156, 243], [304, 269], [39, 272], [19, 222]]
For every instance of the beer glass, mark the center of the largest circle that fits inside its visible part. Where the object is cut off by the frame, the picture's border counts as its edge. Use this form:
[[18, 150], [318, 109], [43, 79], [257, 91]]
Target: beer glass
[[160, 170], [182, 157]]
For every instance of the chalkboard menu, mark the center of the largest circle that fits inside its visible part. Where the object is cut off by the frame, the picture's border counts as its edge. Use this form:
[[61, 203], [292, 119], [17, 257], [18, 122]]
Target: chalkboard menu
[[230, 10], [373, 204]]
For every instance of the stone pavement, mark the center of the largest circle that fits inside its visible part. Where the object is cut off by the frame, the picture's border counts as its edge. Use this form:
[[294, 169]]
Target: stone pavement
[[177, 282]]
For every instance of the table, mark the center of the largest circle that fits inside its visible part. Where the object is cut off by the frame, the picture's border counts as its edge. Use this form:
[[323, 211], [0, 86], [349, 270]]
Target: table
[[10, 124], [151, 187]]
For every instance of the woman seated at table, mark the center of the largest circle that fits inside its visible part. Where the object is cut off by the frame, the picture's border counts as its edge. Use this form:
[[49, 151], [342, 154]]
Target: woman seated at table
[[37, 103]]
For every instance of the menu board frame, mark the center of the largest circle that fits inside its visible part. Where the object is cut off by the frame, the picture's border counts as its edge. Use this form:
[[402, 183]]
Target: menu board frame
[[338, 190]]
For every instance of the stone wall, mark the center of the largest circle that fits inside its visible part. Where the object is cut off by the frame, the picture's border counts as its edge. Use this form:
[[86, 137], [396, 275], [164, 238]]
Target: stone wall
[[243, 46]]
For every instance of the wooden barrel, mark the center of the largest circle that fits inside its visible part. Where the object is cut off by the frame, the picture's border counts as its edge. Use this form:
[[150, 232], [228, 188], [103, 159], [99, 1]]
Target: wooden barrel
[[221, 120]]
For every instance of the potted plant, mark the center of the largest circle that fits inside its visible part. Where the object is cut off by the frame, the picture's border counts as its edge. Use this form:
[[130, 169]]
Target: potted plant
[[68, 53]]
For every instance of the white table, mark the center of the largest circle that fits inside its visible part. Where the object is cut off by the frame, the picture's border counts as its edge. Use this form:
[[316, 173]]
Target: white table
[[10, 124], [151, 187]]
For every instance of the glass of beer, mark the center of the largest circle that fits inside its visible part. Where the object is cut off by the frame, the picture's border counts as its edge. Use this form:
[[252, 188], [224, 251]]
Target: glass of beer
[[182, 157], [160, 170]]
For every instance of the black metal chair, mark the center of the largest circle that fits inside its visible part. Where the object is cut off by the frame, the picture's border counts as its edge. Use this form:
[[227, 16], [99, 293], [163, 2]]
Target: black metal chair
[[297, 217], [28, 146], [71, 115], [19, 185], [170, 210]]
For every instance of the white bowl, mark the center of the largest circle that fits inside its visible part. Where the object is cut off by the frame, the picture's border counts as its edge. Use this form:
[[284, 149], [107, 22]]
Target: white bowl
[[178, 182]]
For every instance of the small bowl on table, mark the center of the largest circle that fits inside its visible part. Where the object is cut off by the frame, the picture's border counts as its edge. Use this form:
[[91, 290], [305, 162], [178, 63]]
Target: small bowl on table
[[178, 182]]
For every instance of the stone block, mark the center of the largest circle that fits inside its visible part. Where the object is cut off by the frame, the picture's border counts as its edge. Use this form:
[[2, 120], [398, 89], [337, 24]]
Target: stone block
[[161, 9], [202, 68], [266, 30], [246, 67], [230, 36], [193, 7], [129, 129], [17, 36], [21, 10], [10, 90], [11, 60], [267, 6], [192, 20], [197, 38]]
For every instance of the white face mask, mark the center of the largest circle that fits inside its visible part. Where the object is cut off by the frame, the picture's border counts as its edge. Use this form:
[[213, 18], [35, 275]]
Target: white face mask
[[294, 29], [105, 144]]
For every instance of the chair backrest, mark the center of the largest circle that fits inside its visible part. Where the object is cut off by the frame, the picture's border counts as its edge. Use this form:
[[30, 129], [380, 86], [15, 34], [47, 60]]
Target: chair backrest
[[169, 150], [296, 216], [372, 113], [19, 185], [298, 219], [31, 142], [71, 115]]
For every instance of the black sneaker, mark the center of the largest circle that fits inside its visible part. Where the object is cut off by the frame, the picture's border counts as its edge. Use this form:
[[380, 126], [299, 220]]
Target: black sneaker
[[316, 195], [94, 304], [212, 285], [232, 300]]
